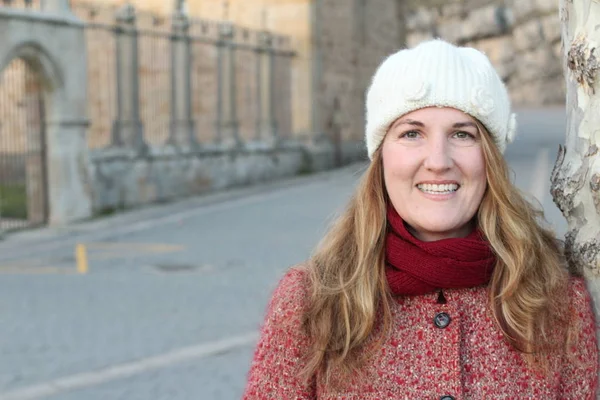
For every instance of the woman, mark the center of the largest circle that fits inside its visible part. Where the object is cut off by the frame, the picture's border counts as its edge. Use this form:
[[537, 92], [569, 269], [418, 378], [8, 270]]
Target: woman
[[437, 282]]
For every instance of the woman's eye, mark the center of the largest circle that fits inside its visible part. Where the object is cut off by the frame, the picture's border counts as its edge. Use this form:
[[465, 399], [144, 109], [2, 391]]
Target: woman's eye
[[464, 135], [410, 135]]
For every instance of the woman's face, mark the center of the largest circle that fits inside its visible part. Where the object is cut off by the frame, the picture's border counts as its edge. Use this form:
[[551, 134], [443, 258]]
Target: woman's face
[[434, 171]]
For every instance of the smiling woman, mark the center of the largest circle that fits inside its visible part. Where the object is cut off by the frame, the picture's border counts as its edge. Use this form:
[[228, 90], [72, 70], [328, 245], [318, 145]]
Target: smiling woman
[[437, 282], [434, 171]]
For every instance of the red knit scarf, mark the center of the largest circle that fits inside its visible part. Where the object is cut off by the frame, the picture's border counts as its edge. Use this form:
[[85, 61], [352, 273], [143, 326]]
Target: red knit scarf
[[416, 267]]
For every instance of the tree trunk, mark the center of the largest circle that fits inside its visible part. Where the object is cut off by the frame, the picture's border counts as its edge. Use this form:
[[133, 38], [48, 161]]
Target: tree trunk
[[576, 174]]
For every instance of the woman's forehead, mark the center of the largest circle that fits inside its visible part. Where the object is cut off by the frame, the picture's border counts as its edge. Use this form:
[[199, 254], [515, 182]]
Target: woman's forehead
[[437, 112], [434, 115]]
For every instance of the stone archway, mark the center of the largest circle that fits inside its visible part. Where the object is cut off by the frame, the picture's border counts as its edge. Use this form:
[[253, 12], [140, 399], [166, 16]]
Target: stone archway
[[54, 46]]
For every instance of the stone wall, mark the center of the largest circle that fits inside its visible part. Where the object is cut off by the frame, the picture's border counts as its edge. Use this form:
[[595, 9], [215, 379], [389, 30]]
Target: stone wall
[[521, 38], [536, 39], [121, 179], [353, 38]]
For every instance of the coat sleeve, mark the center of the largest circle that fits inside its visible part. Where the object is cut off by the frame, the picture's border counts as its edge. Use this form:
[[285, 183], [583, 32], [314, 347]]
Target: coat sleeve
[[579, 378], [274, 372]]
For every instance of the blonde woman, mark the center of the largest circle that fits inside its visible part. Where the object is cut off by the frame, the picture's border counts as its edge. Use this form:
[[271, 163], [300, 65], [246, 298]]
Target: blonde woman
[[437, 282]]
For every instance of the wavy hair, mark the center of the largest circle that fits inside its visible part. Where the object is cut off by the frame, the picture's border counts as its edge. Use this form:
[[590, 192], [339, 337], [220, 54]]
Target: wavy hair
[[349, 298]]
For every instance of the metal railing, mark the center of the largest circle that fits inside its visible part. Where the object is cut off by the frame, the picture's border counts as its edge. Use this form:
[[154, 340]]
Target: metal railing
[[154, 42], [23, 191]]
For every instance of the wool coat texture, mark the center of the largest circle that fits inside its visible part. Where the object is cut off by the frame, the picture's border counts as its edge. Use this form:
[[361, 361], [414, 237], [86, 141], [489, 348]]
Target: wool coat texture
[[435, 350]]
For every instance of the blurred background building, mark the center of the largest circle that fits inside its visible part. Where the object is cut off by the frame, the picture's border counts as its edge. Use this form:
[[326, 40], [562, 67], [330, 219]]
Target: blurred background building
[[522, 39], [113, 104]]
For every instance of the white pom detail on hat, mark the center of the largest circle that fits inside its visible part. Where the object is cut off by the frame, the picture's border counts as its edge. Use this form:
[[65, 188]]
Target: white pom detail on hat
[[415, 90], [482, 101], [437, 73], [511, 131]]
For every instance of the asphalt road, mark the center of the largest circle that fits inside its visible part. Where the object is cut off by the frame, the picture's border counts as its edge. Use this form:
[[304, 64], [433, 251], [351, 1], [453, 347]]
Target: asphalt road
[[173, 295]]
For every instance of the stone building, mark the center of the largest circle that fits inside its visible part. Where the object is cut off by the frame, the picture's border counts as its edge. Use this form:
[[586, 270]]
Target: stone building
[[153, 103]]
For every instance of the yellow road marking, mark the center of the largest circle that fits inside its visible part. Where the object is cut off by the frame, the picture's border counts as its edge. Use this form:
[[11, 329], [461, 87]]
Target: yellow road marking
[[83, 253], [81, 259]]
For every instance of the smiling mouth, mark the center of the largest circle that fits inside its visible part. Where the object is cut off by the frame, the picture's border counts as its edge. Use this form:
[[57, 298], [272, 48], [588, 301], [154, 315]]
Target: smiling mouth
[[438, 189]]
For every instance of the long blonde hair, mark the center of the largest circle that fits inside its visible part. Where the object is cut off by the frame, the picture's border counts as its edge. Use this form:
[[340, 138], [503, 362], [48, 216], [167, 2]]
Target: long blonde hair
[[349, 295]]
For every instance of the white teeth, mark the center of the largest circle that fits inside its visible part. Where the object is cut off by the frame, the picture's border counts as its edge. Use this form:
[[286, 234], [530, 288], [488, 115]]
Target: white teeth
[[438, 189]]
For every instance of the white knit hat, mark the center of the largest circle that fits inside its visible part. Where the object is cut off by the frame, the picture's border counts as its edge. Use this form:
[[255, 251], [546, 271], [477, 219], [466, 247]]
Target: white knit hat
[[437, 73]]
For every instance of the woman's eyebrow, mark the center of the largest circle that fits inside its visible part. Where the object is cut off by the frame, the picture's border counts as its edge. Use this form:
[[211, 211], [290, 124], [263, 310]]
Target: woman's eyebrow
[[410, 122], [464, 124], [422, 125]]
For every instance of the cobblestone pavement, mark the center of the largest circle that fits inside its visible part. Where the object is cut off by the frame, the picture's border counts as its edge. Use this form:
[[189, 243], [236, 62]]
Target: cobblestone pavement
[[174, 295]]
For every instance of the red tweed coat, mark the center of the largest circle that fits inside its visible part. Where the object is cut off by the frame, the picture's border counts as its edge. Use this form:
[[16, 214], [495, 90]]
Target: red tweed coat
[[436, 351]]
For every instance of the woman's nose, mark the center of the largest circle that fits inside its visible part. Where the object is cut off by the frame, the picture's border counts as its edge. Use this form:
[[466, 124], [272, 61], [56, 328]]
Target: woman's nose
[[438, 157]]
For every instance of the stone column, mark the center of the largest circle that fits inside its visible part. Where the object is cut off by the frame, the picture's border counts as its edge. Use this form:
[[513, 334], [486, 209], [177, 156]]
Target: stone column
[[318, 134], [182, 123], [227, 123], [70, 185], [128, 130], [267, 127]]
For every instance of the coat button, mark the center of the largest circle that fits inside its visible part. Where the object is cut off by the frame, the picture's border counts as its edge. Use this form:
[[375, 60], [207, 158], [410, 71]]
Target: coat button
[[442, 320], [447, 397]]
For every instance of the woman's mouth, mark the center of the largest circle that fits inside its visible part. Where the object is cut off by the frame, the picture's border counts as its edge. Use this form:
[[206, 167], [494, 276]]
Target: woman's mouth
[[431, 188]]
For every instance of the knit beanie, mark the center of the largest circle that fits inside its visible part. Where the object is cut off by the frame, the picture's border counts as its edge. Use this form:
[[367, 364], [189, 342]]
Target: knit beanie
[[437, 73]]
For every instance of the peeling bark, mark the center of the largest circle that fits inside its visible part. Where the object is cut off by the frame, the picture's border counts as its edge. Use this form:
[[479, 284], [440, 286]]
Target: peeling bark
[[582, 61], [576, 175], [580, 255]]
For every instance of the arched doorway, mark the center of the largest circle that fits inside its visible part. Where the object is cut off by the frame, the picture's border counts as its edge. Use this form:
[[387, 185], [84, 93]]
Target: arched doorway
[[23, 176]]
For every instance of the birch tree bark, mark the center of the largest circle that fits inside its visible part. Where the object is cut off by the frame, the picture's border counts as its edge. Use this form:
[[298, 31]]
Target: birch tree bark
[[576, 174]]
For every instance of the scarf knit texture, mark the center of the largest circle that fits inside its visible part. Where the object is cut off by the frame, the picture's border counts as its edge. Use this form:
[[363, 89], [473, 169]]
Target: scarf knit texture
[[416, 267]]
